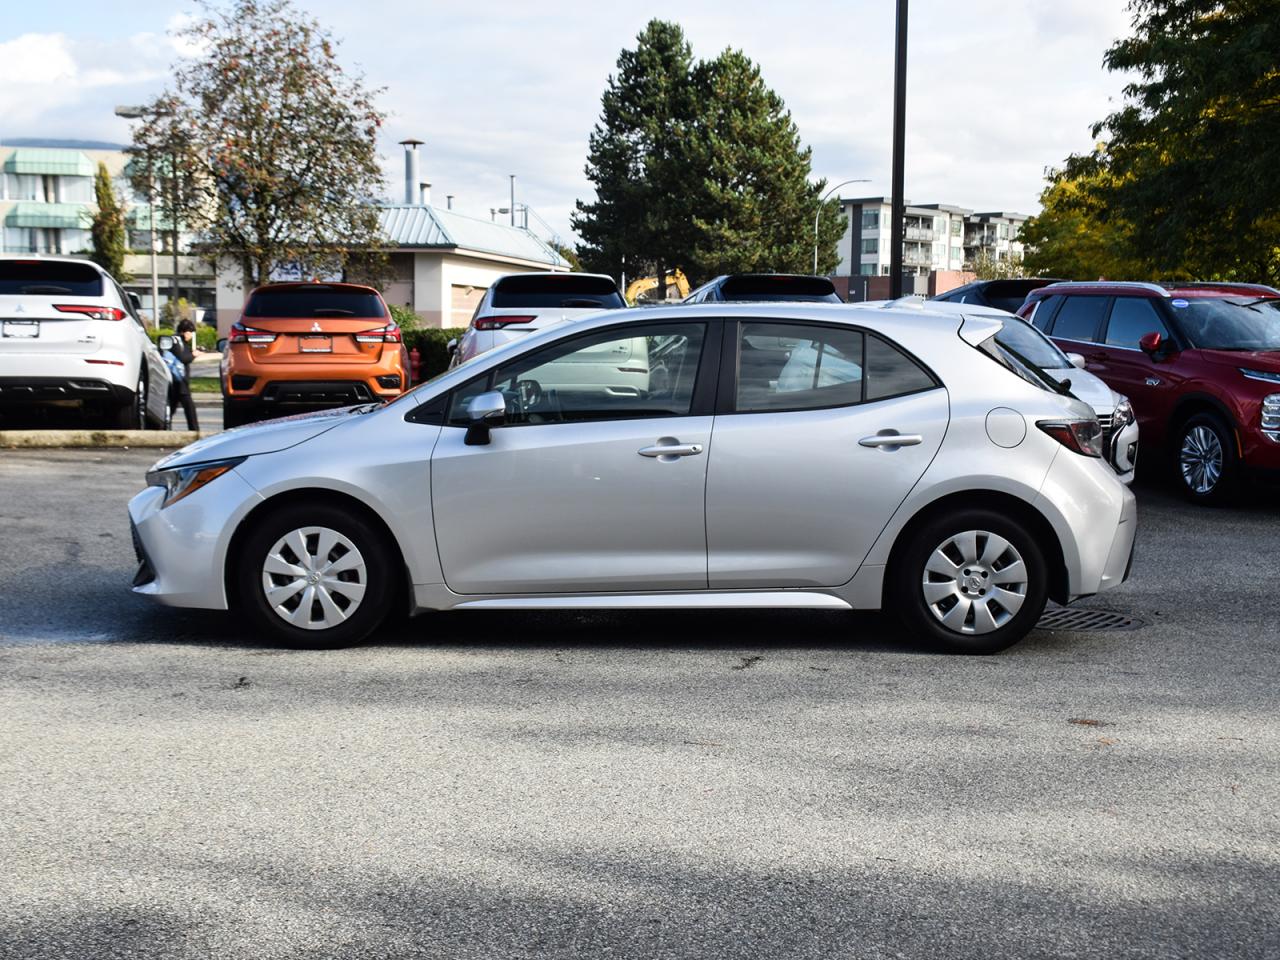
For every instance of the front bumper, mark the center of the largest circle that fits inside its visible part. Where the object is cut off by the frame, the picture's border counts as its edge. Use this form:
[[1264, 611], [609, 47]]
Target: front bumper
[[182, 549]]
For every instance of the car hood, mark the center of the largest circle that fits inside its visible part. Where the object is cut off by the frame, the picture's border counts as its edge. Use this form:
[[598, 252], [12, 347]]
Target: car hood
[[268, 436], [1087, 388], [1268, 360]]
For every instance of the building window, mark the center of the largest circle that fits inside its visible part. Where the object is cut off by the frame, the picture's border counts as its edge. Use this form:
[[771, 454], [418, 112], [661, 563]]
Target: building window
[[75, 189], [955, 228], [870, 219], [75, 241], [867, 269], [24, 186], [956, 252], [1004, 231], [871, 246]]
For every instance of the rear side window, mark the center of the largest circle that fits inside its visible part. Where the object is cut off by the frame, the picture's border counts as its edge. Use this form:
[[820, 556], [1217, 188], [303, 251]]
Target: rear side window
[[1080, 318], [1042, 311], [314, 300], [49, 278], [779, 288], [784, 366], [891, 373], [1131, 319], [564, 290]]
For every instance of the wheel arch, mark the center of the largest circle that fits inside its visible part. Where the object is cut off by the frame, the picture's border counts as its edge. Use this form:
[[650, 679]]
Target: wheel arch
[[999, 502], [317, 496], [1190, 404]]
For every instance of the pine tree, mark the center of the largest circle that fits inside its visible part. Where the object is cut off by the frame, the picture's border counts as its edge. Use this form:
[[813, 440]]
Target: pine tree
[[640, 221], [107, 231], [753, 207]]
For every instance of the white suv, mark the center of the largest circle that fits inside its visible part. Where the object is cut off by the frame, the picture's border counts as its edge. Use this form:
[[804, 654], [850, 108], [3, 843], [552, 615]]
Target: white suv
[[522, 303], [69, 333]]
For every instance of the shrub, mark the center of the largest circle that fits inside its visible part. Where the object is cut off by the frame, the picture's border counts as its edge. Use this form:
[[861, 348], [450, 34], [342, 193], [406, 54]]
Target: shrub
[[432, 344], [206, 336]]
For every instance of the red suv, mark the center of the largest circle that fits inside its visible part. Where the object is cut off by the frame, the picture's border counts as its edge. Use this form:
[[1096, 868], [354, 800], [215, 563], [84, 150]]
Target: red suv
[[1199, 361]]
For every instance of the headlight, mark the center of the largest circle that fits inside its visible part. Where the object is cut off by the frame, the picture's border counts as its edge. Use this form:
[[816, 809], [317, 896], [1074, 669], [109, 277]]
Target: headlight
[[1265, 376], [1271, 417], [1122, 416], [179, 482]]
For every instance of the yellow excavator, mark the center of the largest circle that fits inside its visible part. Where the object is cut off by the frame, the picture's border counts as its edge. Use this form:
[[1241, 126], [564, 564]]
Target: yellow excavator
[[676, 280]]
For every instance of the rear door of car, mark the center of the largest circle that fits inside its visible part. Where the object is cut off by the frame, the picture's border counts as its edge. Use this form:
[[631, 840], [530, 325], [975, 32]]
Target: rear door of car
[[1076, 327], [821, 432]]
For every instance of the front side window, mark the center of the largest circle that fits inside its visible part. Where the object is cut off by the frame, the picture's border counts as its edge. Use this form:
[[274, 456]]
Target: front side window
[[631, 373], [1080, 318], [1131, 319]]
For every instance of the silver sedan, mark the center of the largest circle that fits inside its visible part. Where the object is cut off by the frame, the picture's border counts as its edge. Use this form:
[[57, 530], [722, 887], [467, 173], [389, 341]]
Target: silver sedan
[[832, 456]]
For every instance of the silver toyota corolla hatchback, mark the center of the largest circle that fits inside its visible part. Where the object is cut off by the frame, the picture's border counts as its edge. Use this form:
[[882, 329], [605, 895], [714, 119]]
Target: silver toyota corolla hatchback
[[767, 455]]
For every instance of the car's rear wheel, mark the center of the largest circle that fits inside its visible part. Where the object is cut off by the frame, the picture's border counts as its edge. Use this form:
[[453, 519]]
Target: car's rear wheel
[[970, 582], [237, 414], [1207, 466], [315, 576], [132, 414]]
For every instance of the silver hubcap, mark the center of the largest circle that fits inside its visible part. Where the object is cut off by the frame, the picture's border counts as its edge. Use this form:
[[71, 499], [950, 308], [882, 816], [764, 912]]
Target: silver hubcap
[[140, 400], [314, 578], [1201, 459], [974, 582]]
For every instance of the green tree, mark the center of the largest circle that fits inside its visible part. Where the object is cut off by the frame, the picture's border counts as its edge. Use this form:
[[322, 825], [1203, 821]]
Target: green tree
[[1074, 237], [272, 143], [753, 205], [107, 230], [639, 221], [1190, 157]]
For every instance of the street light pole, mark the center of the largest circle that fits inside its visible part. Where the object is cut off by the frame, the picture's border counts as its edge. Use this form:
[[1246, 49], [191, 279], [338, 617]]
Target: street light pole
[[137, 113], [818, 215], [513, 198], [899, 207]]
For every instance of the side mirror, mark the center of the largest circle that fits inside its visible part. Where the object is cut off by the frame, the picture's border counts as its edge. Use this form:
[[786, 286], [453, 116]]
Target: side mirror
[[486, 411], [452, 346], [222, 345], [165, 343], [1151, 344], [1077, 360]]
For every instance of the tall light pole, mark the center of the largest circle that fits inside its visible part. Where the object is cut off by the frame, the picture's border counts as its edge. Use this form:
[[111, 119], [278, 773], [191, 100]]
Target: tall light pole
[[513, 198], [136, 113], [817, 216], [899, 205]]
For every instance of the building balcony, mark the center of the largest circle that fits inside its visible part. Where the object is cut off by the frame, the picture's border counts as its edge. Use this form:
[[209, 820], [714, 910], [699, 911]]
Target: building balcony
[[919, 233]]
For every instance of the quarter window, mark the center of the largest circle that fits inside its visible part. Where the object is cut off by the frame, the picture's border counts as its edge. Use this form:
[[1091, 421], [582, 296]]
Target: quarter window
[[1131, 319], [1080, 318], [891, 373], [797, 367]]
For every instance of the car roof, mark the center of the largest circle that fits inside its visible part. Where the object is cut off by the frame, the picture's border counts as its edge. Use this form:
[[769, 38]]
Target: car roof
[[315, 285], [553, 273], [54, 258], [1164, 291]]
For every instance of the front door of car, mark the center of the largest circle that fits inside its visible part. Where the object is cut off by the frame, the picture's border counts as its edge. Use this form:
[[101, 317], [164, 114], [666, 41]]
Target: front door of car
[[1150, 386], [826, 429], [596, 481]]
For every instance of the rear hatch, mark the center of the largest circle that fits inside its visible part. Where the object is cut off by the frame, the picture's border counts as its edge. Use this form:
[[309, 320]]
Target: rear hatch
[[324, 324], [52, 307], [524, 304], [778, 287]]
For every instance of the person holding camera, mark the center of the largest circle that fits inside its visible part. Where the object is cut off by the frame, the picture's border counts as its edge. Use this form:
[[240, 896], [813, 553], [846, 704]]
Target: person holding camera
[[184, 343]]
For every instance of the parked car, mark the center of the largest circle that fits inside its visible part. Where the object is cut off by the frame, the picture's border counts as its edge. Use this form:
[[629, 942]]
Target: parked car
[[300, 346], [1001, 294], [520, 304], [1019, 338], [1199, 361], [69, 333], [780, 455], [765, 287]]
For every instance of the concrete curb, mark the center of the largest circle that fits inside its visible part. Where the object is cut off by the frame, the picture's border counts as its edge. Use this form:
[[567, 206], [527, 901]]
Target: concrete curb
[[49, 439]]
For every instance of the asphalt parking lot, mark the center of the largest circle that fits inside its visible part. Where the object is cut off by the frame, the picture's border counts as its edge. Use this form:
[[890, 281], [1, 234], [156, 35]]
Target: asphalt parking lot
[[662, 785]]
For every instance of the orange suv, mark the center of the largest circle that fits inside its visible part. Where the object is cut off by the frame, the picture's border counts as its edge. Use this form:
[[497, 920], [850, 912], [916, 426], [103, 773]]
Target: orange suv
[[311, 345]]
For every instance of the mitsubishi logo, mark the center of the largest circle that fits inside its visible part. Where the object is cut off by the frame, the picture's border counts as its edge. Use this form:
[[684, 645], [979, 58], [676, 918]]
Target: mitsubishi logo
[[19, 309], [315, 327]]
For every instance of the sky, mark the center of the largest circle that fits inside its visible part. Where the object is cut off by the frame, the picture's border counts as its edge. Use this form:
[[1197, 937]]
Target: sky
[[997, 91]]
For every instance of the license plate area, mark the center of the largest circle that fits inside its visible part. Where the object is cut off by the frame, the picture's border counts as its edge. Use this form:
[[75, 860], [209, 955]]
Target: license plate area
[[315, 345], [21, 329]]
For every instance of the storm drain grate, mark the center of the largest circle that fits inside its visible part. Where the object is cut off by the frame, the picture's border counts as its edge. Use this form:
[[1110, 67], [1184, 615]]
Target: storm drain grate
[[1064, 618]]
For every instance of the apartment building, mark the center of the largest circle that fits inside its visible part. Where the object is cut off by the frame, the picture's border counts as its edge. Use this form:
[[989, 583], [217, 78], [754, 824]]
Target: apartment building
[[936, 237]]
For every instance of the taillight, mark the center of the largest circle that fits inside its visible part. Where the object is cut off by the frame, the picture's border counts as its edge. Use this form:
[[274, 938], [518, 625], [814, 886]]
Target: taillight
[[497, 323], [1082, 436], [91, 311], [388, 334], [242, 334]]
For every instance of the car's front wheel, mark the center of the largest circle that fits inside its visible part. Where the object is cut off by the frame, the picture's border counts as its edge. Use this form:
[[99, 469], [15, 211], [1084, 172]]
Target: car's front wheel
[[312, 575], [1207, 465], [974, 581]]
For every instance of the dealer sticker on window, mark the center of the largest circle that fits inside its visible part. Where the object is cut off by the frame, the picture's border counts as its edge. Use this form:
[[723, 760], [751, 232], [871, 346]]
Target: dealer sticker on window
[[1179, 303]]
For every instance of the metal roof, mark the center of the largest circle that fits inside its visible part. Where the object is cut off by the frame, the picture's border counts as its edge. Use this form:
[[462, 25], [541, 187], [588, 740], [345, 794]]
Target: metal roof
[[427, 227], [49, 160], [72, 216]]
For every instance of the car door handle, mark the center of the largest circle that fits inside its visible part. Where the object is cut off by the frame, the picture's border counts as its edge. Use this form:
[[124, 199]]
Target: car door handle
[[673, 450], [894, 440]]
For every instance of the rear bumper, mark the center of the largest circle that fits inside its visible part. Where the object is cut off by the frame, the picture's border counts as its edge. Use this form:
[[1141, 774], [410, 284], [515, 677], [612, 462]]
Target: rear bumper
[[19, 391], [327, 393]]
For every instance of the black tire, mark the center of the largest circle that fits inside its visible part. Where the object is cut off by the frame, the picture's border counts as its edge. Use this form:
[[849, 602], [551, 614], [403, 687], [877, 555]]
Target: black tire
[[906, 589], [132, 414], [1202, 441], [379, 576]]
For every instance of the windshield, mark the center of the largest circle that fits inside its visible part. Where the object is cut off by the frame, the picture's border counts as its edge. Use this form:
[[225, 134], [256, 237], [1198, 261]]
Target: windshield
[[314, 300], [564, 290], [50, 278], [1007, 349], [1230, 323], [1025, 340]]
